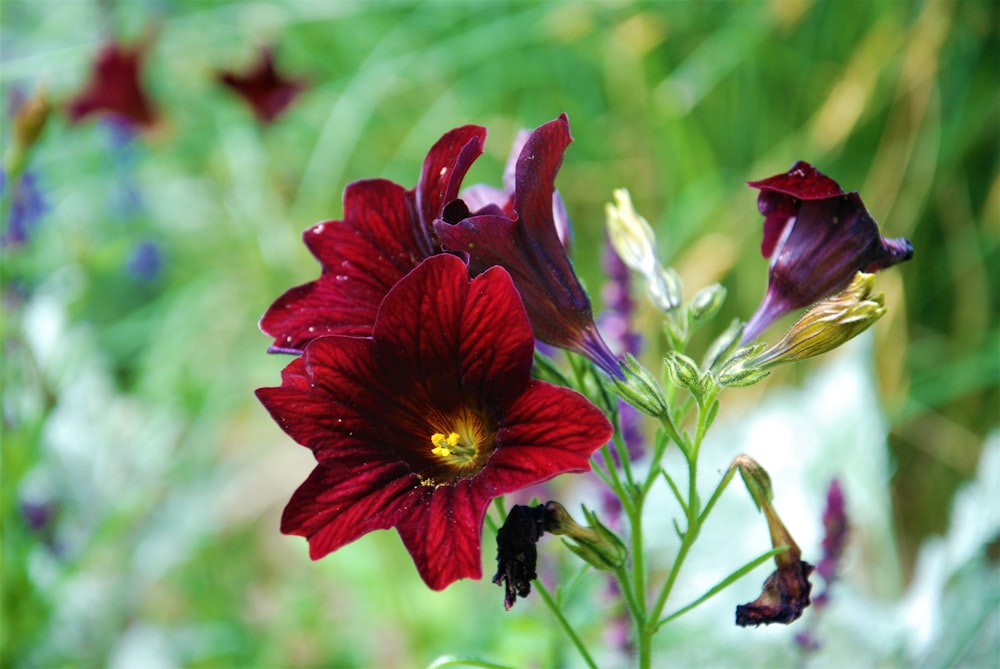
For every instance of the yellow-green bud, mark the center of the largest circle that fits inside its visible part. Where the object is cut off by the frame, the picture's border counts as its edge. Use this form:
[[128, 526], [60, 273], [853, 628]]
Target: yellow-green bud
[[29, 121], [828, 324], [635, 243]]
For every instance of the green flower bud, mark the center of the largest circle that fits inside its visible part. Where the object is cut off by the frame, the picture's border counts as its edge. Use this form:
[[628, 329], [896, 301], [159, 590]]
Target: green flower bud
[[707, 302], [30, 119], [723, 345], [596, 545], [737, 376], [682, 370], [640, 388]]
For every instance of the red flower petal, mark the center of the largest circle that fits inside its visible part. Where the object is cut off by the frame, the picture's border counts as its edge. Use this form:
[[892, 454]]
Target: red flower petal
[[362, 256], [442, 173], [335, 506], [443, 533], [456, 317], [803, 181], [547, 427], [385, 233]]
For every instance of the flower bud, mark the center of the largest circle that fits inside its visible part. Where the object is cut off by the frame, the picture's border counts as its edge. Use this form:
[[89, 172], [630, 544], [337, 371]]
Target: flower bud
[[723, 345], [828, 325], [640, 388], [596, 545], [755, 478], [635, 243], [741, 377], [30, 119], [682, 370], [785, 594], [707, 302]]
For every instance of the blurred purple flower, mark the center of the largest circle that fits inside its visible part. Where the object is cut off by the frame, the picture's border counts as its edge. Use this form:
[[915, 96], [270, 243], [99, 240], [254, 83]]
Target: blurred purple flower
[[145, 262], [817, 237], [615, 322], [27, 206], [263, 88], [836, 526]]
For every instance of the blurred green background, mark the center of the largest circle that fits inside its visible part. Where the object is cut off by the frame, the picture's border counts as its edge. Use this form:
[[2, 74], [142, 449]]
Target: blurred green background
[[141, 481]]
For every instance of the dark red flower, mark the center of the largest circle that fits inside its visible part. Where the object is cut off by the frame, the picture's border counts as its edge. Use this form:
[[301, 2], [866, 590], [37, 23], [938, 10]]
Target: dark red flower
[[266, 92], [386, 231], [525, 242], [115, 88], [420, 425], [817, 237]]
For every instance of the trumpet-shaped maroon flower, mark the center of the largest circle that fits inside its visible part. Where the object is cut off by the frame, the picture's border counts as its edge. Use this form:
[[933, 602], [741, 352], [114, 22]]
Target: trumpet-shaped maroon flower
[[386, 231], [115, 88], [420, 425], [817, 237], [479, 196], [525, 242], [266, 92]]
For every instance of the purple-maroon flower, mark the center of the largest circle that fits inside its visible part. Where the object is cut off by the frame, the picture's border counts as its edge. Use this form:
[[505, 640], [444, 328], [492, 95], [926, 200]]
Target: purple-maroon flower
[[421, 424], [479, 196], [525, 242], [267, 92], [115, 88], [386, 231], [817, 237]]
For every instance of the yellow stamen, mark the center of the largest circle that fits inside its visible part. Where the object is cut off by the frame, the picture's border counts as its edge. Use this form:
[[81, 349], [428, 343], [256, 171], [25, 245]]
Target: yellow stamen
[[443, 445]]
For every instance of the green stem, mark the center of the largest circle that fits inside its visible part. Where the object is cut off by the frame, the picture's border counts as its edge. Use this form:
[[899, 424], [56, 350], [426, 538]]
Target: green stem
[[557, 612], [690, 532]]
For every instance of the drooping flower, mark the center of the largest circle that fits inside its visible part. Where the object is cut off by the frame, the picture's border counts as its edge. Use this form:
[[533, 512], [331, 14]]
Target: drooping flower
[[267, 92], [115, 88], [421, 424], [517, 555], [525, 242], [817, 237], [785, 594], [386, 231]]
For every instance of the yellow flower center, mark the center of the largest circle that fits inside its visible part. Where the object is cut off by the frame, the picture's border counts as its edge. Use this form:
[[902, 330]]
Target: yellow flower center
[[460, 445], [455, 448]]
